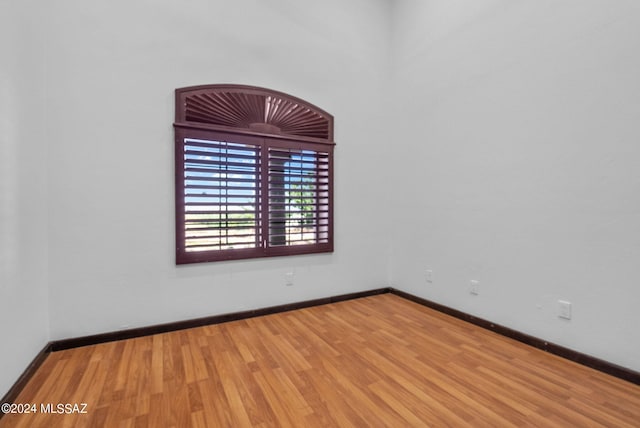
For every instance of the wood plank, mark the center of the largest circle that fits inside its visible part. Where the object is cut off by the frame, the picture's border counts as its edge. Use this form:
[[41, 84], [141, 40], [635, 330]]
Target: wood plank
[[376, 361]]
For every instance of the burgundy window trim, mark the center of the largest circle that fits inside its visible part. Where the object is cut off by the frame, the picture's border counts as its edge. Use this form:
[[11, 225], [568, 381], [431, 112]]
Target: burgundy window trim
[[266, 119]]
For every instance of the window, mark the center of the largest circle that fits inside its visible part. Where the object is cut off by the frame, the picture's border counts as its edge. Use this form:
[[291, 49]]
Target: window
[[254, 174]]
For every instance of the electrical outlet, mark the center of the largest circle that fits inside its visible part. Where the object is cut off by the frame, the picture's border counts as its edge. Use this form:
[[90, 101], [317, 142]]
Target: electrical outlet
[[474, 287], [288, 279], [564, 309], [428, 276]]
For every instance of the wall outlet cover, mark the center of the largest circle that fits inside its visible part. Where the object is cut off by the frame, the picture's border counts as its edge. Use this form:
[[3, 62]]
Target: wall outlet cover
[[474, 287], [288, 279], [428, 275], [564, 309]]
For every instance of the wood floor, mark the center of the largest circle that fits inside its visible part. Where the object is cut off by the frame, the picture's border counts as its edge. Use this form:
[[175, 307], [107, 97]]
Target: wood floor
[[375, 361]]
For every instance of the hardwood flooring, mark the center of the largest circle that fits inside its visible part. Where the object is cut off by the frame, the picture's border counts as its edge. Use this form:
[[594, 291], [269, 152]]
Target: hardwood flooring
[[375, 361]]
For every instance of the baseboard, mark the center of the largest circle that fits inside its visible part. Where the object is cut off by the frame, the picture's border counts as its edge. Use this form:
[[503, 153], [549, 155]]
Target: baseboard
[[569, 354], [32, 368], [59, 345]]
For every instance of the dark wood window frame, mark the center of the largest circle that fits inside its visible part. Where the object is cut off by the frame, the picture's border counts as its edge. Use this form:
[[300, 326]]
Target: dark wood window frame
[[253, 174]]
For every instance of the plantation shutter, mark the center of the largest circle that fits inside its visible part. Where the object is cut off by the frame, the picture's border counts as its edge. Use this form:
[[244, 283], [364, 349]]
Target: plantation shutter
[[298, 206], [222, 193], [254, 174]]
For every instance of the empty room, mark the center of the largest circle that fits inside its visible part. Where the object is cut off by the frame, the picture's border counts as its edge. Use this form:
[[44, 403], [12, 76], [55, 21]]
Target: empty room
[[339, 213]]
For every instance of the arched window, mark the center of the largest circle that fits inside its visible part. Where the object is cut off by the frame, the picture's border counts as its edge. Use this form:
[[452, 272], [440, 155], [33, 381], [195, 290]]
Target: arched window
[[254, 174]]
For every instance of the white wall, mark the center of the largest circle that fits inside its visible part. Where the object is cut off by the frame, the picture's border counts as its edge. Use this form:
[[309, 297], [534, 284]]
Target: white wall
[[112, 69], [23, 210], [512, 133], [519, 147]]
